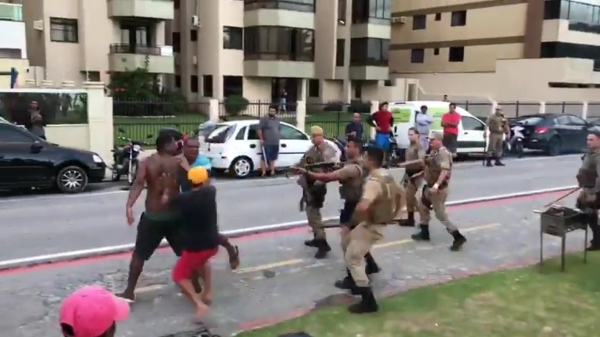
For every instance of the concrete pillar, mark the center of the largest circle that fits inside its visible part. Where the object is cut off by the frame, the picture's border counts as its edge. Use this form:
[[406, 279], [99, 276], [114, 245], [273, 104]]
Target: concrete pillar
[[301, 115], [213, 110], [374, 108], [542, 107], [302, 94], [584, 110], [100, 120]]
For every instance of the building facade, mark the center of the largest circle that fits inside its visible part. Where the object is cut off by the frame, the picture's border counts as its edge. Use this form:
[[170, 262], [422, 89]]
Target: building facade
[[13, 45], [77, 40], [311, 50], [503, 50]]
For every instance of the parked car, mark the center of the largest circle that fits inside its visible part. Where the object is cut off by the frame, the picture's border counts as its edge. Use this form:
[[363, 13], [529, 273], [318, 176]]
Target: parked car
[[234, 147], [28, 161], [553, 133]]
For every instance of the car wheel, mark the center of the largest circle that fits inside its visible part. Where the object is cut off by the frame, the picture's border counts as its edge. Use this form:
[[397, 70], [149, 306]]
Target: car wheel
[[132, 173], [554, 147], [241, 167], [72, 179]]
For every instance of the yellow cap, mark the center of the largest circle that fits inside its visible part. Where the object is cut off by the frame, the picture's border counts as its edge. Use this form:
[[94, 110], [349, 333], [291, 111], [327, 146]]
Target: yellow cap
[[316, 130], [198, 175]]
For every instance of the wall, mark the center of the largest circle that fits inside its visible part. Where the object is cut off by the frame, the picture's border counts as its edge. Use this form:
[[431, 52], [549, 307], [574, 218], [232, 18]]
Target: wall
[[13, 37]]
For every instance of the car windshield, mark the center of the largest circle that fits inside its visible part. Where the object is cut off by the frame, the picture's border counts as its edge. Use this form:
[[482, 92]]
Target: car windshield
[[221, 133], [529, 120]]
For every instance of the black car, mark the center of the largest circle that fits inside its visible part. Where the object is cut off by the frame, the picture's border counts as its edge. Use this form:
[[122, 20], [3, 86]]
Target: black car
[[553, 133], [28, 161]]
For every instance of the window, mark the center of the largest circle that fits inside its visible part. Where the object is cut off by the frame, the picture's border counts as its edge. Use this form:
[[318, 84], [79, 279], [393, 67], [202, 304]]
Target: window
[[233, 86], [314, 88], [574, 120], [458, 19], [417, 56], [292, 5], [369, 52], [176, 4], [563, 120], [456, 54], [573, 50], [279, 43], [241, 135], [583, 17], [470, 123], [436, 51], [340, 50], [10, 135], [207, 86], [419, 22], [438, 16], [177, 81], [193, 35], [233, 38], [64, 30], [358, 89], [288, 132], [342, 12], [371, 11], [252, 134], [93, 76], [176, 36], [194, 83]]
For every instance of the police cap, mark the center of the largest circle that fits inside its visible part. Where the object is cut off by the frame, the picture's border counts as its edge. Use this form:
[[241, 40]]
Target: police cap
[[316, 130]]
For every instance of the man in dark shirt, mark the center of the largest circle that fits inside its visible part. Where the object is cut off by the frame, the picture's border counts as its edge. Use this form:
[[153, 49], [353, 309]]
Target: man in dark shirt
[[355, 129], [269, 134], [200, 236]]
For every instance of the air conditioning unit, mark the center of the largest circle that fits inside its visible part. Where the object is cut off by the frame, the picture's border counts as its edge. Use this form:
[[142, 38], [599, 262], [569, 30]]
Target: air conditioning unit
[[195, 21], [38, 25], [399, 20]]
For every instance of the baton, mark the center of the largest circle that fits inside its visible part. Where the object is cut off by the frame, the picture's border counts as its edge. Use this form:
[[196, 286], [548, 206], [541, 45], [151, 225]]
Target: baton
[[264, 155], [485, 146], [557, 200]]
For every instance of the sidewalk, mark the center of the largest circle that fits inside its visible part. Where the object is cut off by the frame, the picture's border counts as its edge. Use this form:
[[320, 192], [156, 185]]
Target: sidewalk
[[279, 278]]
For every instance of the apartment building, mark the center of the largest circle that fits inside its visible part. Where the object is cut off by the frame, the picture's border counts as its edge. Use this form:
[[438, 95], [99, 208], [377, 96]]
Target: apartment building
[[312, 50], [13, 46], [79, 40], [529, 50]]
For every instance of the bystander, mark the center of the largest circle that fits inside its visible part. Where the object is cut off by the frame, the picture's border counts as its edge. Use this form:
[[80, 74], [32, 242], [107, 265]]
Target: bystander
[[36, 123], [269, 134], [355, 128], [450, 122]]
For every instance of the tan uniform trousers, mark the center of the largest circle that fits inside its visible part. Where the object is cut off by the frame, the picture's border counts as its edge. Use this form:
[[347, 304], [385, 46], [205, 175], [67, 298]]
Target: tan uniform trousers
[[495, 144], [356, 245], [315, 221], [412, 193], [438, 201]]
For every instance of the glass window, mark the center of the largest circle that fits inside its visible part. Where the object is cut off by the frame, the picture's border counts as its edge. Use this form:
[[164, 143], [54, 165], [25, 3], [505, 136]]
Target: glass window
[[233, 38], [241, 134], [419, 22], [563, 120], [252, 133], [293, 5], [574, 120], [369, 52], [339, 52], [288, 132], [417, 55], [9, 134], [472, 124], [278, 43]]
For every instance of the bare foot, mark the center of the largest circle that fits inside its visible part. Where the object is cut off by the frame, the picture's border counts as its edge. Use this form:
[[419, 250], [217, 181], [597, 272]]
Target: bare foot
[[129, 298], [234, 259], [207, 298], [201, 310]]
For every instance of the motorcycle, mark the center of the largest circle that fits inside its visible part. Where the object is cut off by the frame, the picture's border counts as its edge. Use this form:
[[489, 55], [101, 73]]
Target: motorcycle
[[515, 143], [125, 158]]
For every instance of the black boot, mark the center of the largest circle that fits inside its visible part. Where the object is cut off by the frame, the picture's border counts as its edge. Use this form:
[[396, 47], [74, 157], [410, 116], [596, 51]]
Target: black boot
[[371, 267], [367, 304], [459, 241], [323, 248], [423, 234], [410, 222], [498, 162], [347, 283], [311, 243], [488, 162]]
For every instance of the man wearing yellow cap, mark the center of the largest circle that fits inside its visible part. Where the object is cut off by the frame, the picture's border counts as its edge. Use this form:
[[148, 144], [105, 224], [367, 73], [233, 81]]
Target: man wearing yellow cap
[[314, 191], [200, 236]]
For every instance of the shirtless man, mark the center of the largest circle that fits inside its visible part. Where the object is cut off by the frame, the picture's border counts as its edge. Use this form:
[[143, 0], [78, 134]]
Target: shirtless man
[[158, 173]]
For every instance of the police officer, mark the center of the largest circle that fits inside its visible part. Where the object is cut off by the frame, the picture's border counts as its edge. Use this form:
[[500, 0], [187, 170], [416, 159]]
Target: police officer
[[413, 175], [351, 178], [381, 198], [588, 179], [438, 166], [496, 125], [315, 191]]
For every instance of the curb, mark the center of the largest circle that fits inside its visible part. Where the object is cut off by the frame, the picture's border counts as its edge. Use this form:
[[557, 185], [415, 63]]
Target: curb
[[232, 234]]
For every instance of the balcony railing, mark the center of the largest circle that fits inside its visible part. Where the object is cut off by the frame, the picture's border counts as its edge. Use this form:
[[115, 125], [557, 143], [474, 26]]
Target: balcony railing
[[125, 48], [292, 5], [11, 12]]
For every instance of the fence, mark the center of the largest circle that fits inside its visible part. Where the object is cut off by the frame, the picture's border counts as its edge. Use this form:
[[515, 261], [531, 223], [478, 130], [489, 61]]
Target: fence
[[137, 118]]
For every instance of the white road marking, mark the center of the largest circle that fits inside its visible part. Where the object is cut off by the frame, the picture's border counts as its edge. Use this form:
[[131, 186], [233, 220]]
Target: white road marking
[[86, 253]]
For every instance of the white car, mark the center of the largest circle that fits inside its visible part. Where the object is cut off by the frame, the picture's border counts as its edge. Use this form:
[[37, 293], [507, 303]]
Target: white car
[[234, 147]]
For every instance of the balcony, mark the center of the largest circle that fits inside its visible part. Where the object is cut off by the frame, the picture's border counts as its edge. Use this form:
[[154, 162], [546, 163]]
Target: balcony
[[154, 9], [126, 57]]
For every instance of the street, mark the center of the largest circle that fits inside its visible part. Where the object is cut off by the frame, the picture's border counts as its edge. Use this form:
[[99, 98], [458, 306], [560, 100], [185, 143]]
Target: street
[[54, 224], [279, 278]]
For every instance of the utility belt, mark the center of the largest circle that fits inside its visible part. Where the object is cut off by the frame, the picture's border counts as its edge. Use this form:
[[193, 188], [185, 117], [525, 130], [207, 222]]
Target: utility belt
[[586, 178]]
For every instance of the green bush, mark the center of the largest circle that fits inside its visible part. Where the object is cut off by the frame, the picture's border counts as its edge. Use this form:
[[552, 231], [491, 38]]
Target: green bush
[[359, 106], [234, 105]]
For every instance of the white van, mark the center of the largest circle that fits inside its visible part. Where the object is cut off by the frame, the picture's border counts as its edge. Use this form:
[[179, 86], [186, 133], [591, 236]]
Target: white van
[[470, 130]]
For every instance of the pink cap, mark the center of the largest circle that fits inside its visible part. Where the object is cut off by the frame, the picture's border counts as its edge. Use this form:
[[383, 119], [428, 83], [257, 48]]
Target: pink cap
[[92, 310]]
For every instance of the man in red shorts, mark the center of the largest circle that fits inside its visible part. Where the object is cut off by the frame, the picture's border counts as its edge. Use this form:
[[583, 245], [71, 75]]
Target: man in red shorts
[[200, 236]]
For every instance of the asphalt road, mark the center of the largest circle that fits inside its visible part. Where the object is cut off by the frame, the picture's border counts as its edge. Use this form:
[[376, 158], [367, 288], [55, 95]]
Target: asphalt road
[[33, 226], [279, 278]]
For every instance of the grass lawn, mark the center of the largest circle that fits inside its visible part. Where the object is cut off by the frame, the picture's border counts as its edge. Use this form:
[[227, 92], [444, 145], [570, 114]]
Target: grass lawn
[[525, 302], [334, 123]]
